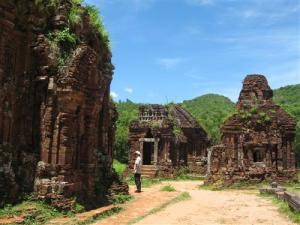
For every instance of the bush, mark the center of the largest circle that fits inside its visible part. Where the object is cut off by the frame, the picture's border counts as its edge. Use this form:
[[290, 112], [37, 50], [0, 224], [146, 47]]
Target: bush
[[97, 23], [78, 208], [253, 110], [63, 37], [119, 167], [121, 199], [74, 16]]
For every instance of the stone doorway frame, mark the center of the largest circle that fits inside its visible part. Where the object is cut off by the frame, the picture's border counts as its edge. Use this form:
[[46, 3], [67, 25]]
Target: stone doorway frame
[[155, 141]]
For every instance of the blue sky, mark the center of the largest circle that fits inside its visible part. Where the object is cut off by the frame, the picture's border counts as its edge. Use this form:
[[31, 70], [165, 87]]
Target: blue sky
[[175, 50]]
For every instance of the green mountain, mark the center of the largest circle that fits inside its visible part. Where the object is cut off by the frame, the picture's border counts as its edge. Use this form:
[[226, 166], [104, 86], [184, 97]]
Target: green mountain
[[211, 111], [127, 111], [288, 98]]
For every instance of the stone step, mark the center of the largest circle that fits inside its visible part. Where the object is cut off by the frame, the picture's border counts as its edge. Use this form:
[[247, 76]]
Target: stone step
[[149, 169], [149, 166], [149, 173]]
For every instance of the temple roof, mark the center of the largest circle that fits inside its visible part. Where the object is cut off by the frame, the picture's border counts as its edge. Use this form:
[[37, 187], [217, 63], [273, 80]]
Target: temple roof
[[256, 109]]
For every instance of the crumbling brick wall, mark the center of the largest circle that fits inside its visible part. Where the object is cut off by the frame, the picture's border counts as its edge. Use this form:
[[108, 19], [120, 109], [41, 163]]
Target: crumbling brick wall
[[59, 115], [257, 141]]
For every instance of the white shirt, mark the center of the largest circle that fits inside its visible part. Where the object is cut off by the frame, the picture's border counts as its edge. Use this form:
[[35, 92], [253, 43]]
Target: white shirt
[[138, 165]]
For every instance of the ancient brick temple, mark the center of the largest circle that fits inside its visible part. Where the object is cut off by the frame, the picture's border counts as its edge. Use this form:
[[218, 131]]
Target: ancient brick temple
[[257, 141], [167, 137], [56, 123]]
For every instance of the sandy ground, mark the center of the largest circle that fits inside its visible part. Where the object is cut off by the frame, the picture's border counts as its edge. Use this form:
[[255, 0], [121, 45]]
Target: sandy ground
[[143, 202], [218, 207]]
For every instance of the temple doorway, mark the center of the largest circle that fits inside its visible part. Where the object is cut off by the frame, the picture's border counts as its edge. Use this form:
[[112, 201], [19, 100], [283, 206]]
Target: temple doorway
[[148, 153], [148, 148]]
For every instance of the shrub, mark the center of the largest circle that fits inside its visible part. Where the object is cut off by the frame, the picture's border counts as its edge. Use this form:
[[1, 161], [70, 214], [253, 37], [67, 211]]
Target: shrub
[[63, 37], [74, 16], [253, 110], [97, 23], [119, 167], [121, 198]]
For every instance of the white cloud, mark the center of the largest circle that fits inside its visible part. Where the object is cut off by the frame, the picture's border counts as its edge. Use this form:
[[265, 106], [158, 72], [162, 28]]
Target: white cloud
[[128, 90], [200, 2], [250, 13], [266, 12], [114, 94], [169, 63]]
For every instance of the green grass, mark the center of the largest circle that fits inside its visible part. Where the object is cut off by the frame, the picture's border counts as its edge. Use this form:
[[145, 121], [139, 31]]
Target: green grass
[[101, 216], [182, 197], [35, 212], [168, 188], [283, 207], [119, 167], [121, 199], [97, 23], [188, 177], [219, 186], [146, 182]]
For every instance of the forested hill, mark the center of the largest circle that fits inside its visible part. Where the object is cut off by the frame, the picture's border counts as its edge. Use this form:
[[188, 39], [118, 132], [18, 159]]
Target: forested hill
[[288, 98], [210, 110]]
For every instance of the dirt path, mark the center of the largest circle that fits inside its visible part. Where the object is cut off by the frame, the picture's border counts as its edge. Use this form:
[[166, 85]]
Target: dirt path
[[143, 202], [217, 207]]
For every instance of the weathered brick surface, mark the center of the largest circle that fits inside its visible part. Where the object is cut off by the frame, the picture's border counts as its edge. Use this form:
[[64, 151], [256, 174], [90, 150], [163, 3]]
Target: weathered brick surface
[[60, 117], [257, 141]]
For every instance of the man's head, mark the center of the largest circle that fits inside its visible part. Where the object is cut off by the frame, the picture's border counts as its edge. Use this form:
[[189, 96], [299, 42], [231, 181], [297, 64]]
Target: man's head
[[137, 153]]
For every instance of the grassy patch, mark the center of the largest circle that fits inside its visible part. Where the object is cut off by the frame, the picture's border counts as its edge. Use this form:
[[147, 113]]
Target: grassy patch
[[182, 173], [119, 167], [121, 199], [168, 188], [182, 197], [219, 186], [188, 177], [35, 212], [101, 216], [146, 182], [283, 207], [208, 187]]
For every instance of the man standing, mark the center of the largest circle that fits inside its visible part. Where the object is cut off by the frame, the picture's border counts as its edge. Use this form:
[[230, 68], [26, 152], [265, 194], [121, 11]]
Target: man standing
[[137, 171]]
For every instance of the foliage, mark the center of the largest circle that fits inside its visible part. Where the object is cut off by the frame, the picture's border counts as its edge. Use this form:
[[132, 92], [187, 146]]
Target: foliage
[[78, 208], [64, 38], [62, 42], [127, 111], [36, 212], [74, 17], [119, 167], [284, 208], [168, 188], [121, 198], [210, 110], [288, 98], [46, 5], [97, 23]]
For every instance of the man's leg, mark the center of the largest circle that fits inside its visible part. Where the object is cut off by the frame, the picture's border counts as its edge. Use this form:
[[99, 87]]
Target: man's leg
[[139, 182], [136, 181]]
